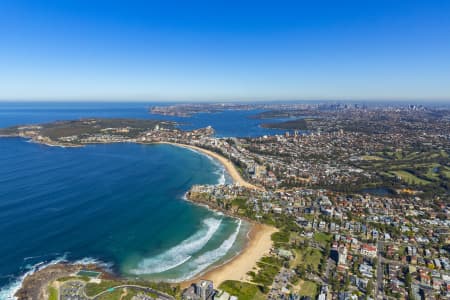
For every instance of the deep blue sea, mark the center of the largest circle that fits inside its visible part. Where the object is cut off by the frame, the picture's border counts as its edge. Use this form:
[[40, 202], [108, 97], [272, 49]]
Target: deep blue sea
[[119, 204], [226, 124]]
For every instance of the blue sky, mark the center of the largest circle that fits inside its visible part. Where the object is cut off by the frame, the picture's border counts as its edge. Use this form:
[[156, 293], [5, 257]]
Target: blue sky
[[224, 50]]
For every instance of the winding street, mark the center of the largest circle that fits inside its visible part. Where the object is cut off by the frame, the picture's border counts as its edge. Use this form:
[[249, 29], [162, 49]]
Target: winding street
[[136, 287]]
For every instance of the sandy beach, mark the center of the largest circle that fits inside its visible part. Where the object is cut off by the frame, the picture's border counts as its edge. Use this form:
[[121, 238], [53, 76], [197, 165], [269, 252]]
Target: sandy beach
[[234, 174], [259, 244], [259, 238]]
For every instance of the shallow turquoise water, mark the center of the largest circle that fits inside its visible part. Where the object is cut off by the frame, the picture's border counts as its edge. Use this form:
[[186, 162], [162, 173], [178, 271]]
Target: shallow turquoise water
[[120, 204]]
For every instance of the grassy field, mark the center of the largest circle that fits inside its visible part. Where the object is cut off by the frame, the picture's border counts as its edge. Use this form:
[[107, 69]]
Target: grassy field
[[295, 237], [239, 204], [431, 174], [398, 155], [308, 288], [410, 178], [268, 268], [423, 169], [280, 237], [446, 172], [64, 279], [371, 157], [130, 294], [121, 294], [52, 293], [307, 257], [243, 290], [93, 289], [322, 238], [114, 295]]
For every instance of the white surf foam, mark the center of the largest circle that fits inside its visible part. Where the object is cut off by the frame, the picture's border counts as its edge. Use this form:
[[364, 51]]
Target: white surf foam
[[179, 254], [93, 261], [208, 258], [184, 197], [222, 179], [7, 292], [213, 255]]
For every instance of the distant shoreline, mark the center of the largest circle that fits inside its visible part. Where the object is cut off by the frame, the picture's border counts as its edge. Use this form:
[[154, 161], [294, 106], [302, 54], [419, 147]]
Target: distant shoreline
[[258, 241]]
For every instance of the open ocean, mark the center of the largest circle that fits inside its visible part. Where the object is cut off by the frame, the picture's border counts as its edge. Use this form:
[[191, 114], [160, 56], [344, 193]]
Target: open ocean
[[120, 204]]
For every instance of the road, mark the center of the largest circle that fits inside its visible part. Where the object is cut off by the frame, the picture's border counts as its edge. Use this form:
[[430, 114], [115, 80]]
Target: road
[[137, 287], [330, 264], [379, 286]]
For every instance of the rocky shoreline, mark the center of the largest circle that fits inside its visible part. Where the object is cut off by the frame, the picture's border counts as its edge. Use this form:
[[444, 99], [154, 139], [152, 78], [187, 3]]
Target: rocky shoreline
[[191, 197], [34, 286]]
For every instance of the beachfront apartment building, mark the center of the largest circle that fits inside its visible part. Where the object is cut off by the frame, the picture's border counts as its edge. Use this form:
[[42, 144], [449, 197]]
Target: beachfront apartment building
[[204, 290]]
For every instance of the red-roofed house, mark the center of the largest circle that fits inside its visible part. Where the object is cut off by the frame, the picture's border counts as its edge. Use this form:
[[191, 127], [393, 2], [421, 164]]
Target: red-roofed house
[[369, 250]]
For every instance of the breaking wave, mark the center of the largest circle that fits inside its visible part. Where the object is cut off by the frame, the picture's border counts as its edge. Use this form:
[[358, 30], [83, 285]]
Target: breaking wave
[[179, 254], [221, 173], [7, 292], [208, 258], [93, 261]]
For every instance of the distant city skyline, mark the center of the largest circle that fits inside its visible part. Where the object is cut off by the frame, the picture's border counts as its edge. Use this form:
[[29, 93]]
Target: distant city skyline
[[225, 51]]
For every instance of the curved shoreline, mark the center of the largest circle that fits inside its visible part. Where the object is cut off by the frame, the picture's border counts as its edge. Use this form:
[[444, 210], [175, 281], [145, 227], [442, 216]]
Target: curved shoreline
[[259, 237], [258, 242], [229, 166]]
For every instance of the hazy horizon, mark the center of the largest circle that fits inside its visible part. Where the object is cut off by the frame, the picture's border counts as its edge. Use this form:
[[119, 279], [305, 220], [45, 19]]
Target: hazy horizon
[[280, 101], [225, 51]]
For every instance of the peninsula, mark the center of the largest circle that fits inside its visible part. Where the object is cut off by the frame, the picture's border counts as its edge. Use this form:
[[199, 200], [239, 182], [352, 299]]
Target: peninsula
[[89, 131], [333, 209], [76, 133]]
